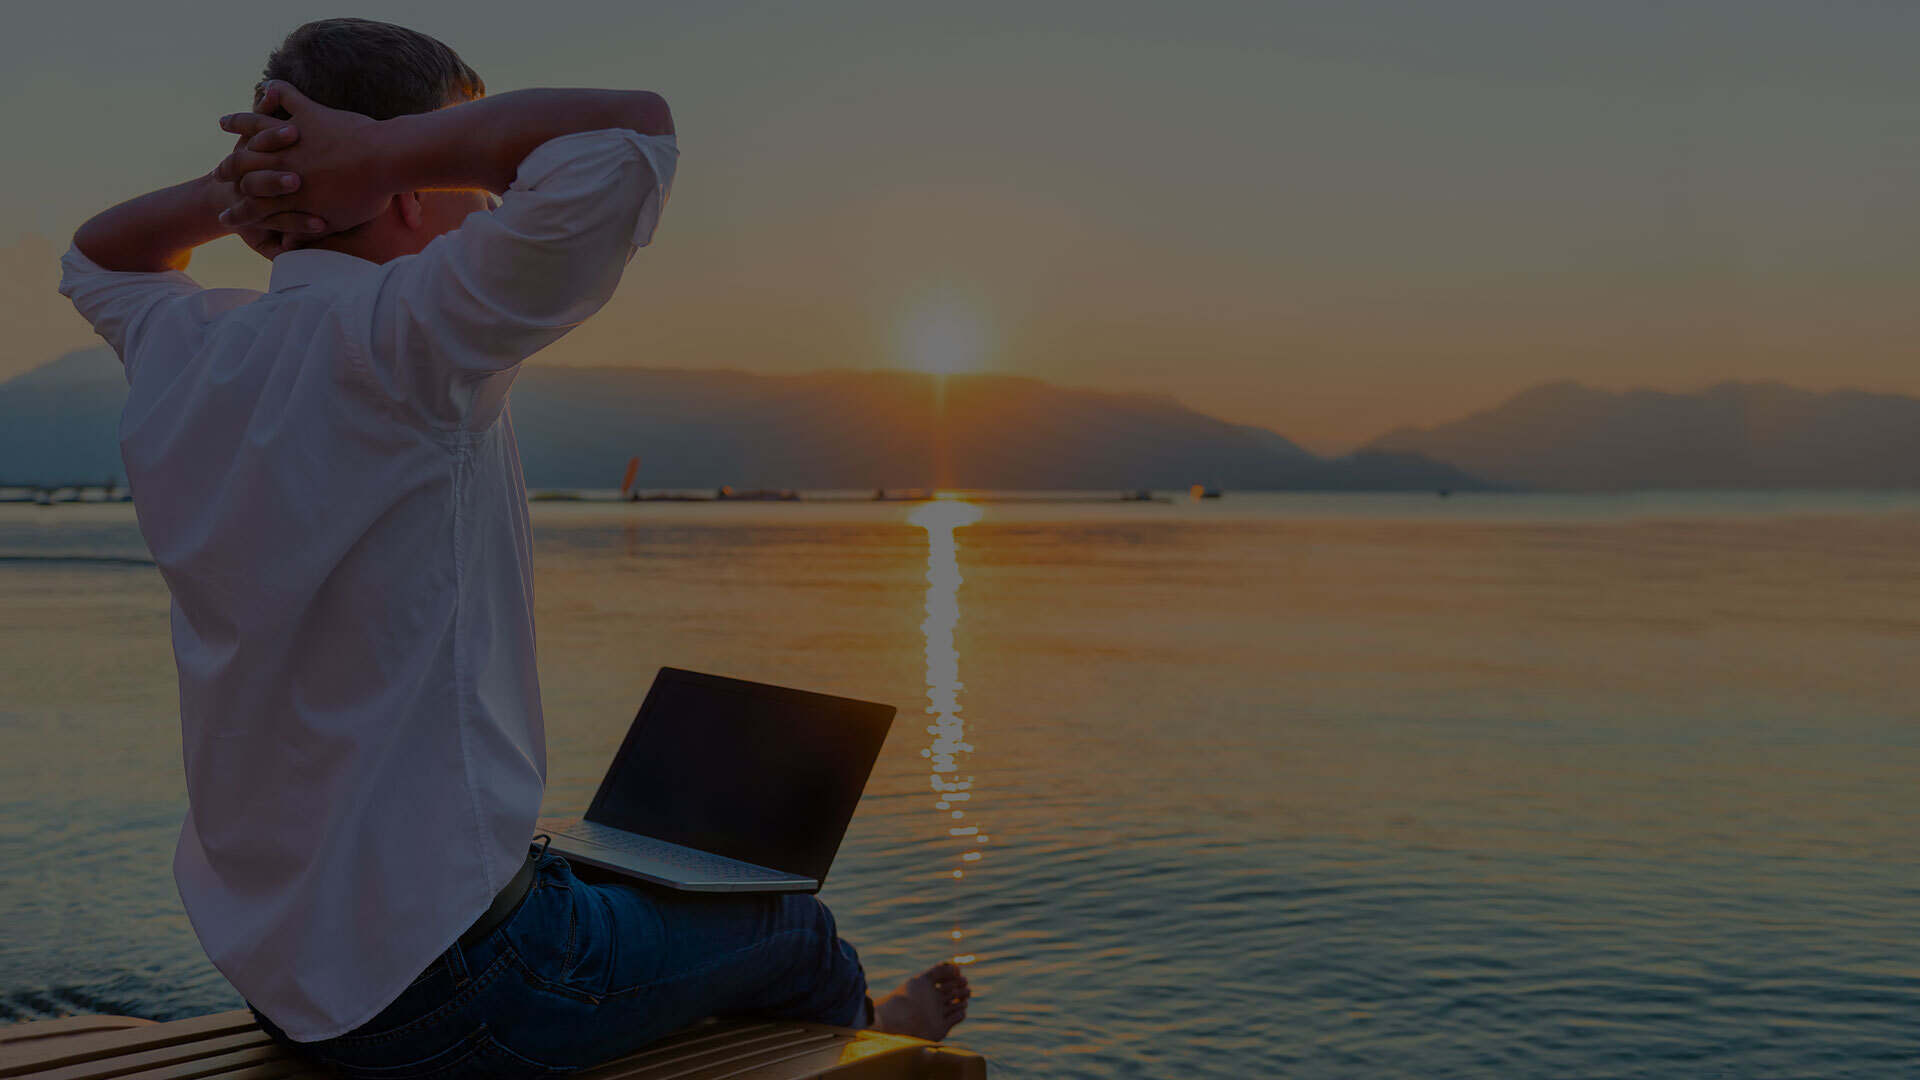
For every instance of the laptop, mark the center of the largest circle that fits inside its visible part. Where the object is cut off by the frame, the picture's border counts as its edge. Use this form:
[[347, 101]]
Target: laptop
[[724, 785]]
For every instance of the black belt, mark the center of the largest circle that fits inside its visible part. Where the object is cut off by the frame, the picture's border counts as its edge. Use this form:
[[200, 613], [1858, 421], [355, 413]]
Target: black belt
[[504, 903]]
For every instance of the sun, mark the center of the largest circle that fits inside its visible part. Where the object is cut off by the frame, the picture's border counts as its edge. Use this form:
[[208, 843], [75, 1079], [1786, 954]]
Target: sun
[[947, 512], [944, 339]]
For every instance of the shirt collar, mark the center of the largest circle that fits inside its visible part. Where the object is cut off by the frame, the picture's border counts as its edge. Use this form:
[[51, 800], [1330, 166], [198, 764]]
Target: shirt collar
[[308, 266]]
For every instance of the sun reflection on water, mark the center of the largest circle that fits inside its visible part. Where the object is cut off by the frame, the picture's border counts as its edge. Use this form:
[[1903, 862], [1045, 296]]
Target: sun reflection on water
[[949, 748]]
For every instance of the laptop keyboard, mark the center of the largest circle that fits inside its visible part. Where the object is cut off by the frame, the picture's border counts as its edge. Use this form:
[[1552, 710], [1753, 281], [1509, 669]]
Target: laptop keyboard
[[721, 868]]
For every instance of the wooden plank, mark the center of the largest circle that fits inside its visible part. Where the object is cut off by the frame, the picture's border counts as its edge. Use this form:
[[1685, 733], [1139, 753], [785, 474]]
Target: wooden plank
[[717, 1061], [65, 1026], [873, 1055], [230, 1046], [760, 1068], [951, 1063], [721, 1030], [140, 1061], [686, 1060], [286, 1067], [58, 1053], [24, 1043], [709, 1052], [265, 1063]]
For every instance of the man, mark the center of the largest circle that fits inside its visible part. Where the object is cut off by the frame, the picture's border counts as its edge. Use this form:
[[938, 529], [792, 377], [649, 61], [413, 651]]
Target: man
[[327, 477]]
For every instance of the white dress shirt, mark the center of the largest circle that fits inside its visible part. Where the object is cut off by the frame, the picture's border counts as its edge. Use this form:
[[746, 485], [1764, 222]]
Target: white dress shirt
[[327, 477]]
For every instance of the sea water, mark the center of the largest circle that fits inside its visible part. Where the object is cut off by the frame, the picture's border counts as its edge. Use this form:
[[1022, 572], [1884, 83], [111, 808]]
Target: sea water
[[1269, 785]]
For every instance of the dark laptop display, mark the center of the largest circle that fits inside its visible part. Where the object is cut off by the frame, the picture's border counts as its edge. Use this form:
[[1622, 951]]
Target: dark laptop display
[[753, 772]]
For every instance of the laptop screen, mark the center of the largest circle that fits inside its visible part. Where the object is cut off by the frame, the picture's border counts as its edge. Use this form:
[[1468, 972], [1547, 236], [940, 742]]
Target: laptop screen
[[753, 772]]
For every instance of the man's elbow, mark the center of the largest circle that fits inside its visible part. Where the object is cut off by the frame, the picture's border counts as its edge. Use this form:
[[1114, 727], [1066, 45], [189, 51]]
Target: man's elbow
[[649, 114], [103, 247], [88, 241]]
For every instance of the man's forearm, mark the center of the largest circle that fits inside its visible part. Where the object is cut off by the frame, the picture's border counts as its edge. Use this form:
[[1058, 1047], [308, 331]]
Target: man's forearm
[[347, 167], [157, 231], [481, 144]]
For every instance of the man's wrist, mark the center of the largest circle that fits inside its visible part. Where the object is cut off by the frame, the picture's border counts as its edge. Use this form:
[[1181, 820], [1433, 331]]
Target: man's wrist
[[388, 162], [156, 231], [214, 196], [480, 144], [430, 152]]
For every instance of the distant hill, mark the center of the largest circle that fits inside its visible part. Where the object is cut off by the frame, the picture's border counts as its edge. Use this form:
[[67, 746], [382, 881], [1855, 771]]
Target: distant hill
[[59, 423], [836, 429], [1565, 436]]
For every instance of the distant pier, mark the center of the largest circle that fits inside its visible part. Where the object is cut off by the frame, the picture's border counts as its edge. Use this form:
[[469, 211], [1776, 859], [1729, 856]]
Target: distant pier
[[43, 494], [112, 491], [904, 495]]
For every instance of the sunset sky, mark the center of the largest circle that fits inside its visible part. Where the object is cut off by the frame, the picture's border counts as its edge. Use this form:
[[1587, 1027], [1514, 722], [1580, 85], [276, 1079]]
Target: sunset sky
[[1329, 219]]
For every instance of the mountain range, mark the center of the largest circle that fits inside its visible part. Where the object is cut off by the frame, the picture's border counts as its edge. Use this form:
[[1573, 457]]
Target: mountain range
[[1568, 437], [871, 429], [836, 429]]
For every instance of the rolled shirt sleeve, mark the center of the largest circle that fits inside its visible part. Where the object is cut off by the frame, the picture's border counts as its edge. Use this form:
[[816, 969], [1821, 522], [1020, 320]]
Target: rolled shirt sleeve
[[119, 304], [445, 329]]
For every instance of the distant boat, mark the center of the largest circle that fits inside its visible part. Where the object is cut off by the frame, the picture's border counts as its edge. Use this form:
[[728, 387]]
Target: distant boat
[[1204, 491], [758, 495], [632, 494]]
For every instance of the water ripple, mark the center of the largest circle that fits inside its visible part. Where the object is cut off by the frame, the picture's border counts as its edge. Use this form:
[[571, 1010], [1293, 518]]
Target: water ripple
[[1305, 796]]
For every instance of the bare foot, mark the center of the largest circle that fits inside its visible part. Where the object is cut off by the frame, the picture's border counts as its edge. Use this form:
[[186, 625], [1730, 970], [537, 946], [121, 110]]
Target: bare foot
[[926, 1006]]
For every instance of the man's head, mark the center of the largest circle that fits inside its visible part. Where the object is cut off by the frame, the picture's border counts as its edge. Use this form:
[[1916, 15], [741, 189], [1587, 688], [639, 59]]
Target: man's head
[[373, 68], [383, 71]]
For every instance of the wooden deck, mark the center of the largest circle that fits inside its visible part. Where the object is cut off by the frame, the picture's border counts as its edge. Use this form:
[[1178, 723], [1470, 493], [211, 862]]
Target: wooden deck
[[232, 1046]]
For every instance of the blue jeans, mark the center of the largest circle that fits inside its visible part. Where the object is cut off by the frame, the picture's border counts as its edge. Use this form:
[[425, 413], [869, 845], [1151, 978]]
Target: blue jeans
[[582, 973]]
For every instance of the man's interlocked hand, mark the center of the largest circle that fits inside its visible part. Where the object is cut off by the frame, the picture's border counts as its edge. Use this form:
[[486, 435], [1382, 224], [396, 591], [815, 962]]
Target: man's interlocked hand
[[283, 231], [312, 174], [300, 172]]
